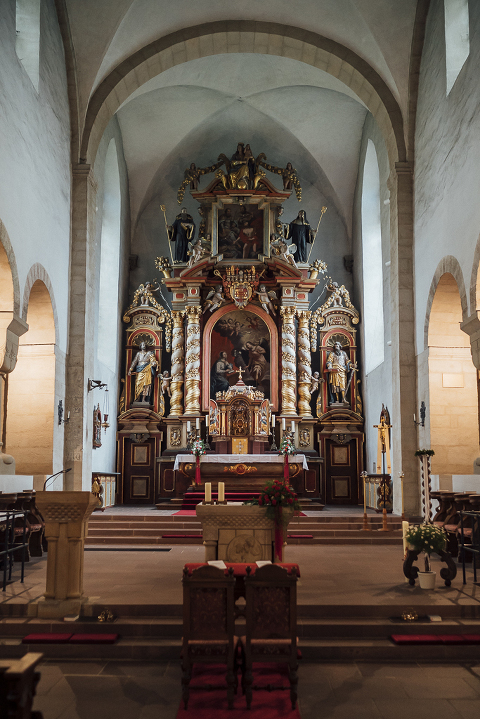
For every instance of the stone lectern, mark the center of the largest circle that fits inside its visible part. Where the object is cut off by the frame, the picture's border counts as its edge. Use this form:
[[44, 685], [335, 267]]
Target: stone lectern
[[66, 516]]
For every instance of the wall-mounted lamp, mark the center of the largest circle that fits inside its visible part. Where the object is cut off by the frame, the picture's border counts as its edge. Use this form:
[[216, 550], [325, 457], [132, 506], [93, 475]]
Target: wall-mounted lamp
[[60, 414], [423, 412], [95, 384]]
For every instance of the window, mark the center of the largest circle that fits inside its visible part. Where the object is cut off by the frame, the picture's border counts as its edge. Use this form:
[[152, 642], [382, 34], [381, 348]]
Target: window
[[372, 262], [457, 38], [27, 44]]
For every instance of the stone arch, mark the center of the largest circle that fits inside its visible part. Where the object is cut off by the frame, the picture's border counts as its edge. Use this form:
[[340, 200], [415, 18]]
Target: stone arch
[[244, 36], [30, 421], [10, 257], [448, 265], [38, 272]]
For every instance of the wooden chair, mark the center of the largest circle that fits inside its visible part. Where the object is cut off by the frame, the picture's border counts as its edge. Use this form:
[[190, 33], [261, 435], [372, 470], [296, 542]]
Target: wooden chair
[[209, 624], [271, 624]]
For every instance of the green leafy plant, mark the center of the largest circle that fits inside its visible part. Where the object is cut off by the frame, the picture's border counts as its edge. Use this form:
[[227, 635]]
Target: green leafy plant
[[274, 496], [287, 445], [424, 452], [198, 447], [426, 538]]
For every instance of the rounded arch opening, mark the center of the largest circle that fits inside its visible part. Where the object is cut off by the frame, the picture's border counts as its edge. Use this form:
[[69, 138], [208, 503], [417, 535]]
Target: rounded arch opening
[[453, 384], [31, 389]]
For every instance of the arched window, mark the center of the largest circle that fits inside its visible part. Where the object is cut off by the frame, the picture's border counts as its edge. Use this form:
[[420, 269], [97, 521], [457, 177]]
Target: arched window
[[457, 38], [27, 45], [108, 311], [372, 263]]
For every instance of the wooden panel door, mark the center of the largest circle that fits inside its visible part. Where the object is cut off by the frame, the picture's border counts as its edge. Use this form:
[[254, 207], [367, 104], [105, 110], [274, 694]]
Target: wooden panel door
[[139, 472], [341, 473]]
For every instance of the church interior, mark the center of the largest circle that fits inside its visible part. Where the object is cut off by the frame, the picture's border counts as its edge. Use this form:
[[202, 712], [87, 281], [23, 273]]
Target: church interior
[[240, 358]]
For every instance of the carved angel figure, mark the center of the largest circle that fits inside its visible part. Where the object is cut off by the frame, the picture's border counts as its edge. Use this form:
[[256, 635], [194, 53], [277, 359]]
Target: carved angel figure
[[315, 382], [165, 387], [144, 296], [215, 299], [197, 252], [266, 299], [282, 250]]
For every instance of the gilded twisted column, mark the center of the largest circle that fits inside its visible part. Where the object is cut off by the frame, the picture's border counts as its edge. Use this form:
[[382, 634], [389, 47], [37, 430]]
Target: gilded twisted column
[[289, 395], [304, 364], [178, 356], [192, 361]]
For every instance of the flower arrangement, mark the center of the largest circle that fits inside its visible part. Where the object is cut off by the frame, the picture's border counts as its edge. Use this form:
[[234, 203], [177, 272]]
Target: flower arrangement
[[198, 447], [287, 445], [424, 453], [426, 538], [276, 496]]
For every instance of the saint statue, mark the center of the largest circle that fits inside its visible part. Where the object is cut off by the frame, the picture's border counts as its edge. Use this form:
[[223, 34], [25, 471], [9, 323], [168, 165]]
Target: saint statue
[[181, 233], [218, 375], [145, 365], [338, 365], [301, 234]]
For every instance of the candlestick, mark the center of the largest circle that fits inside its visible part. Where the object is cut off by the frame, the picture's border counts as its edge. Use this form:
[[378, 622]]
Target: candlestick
[[402, 476], [284, 426], [197, 423], [221, 492], [208, 492], [189, 426]]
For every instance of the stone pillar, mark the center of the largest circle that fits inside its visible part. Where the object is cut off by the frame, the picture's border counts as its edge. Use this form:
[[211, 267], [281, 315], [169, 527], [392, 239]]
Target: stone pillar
[[289, 369], [192, 361], [404, 387], [66, 516], [471, 327], [80, 358], [178, 356], [304, 364]]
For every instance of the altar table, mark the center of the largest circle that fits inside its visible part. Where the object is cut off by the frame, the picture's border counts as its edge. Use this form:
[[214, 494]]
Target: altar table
[[247, 459]]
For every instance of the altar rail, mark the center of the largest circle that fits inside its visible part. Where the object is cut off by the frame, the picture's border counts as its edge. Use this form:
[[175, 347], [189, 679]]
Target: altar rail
[[378, 487], [104, 487]]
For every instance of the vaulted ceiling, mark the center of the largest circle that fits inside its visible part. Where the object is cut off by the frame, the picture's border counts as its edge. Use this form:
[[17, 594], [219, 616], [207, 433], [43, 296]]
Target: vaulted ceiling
[[204, 97]]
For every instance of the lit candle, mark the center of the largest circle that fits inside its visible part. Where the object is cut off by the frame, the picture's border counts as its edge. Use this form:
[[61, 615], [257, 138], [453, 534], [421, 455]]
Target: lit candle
[[283, 424], [208, 492], [197, 423], [293, 426], [221, 491], [189, 426]]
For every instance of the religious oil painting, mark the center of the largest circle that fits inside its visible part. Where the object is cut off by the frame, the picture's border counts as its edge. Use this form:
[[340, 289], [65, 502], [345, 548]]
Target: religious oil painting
[[240, 232], [240, 341]]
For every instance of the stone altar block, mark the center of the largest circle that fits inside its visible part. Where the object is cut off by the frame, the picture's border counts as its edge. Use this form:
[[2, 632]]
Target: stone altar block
[[66, 516], [237, 533]]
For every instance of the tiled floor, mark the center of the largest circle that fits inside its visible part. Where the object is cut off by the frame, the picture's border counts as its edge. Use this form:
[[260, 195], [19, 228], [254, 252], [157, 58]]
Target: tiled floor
[[114, 690], [330, 575]]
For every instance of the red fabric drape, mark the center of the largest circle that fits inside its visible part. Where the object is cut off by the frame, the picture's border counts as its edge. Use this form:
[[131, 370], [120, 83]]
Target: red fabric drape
[[278, 533], [286, 473], [198, 479]]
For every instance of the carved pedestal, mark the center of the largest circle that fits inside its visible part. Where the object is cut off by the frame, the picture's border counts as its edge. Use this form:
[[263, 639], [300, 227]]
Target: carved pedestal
[[237, 533], [66, 516]]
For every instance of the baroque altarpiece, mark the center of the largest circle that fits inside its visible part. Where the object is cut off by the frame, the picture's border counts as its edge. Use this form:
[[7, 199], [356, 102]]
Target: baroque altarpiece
[[227, 347]]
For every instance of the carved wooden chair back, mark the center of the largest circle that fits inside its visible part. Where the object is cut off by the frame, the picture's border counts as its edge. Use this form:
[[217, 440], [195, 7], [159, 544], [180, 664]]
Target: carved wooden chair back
[[208, 623], [271, 623]]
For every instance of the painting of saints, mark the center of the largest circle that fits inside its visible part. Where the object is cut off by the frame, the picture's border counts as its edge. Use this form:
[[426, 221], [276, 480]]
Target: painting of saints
[[240, 340]]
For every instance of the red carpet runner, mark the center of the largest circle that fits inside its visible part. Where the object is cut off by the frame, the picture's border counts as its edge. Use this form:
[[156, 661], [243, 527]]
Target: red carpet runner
[[209, 703]]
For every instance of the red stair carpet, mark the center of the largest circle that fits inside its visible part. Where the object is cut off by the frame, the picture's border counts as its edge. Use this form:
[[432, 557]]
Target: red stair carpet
[[212, 703]]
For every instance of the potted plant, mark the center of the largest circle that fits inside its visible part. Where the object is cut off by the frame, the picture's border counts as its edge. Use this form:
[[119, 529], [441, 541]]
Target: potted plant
[[426, 538], [198, 448], [281, 503]]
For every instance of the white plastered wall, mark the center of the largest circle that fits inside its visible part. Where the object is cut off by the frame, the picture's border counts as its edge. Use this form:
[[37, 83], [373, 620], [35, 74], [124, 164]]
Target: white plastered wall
[[35, 172], [447, 177]]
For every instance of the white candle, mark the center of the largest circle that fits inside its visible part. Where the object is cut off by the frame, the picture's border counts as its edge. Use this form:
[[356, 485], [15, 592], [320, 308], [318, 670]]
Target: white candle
[[293, 426], [414, 418], [197, 423], [221, 491], [189, 426], [208, 492], [283, 424], [273, 420]]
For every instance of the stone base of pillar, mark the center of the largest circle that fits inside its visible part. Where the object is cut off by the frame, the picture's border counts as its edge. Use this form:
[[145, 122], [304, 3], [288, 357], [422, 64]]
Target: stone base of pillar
[[59, 608]]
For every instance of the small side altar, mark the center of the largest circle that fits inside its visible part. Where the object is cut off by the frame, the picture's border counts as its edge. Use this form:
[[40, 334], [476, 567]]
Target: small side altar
[[240, 471], [237, 533]]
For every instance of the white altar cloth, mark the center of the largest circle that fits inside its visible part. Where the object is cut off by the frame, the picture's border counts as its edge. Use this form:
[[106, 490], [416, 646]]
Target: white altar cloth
[[240, 459]]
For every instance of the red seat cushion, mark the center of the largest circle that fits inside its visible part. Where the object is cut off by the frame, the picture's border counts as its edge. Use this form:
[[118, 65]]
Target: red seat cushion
[[416, 639], [93, 639]]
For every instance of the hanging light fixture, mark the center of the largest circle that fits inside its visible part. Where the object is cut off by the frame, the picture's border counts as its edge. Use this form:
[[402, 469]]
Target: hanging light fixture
[[105, 423]]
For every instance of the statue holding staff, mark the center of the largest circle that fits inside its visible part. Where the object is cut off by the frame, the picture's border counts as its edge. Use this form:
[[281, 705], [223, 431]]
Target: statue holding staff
[[301, 234], [144, 366], [181, 233]]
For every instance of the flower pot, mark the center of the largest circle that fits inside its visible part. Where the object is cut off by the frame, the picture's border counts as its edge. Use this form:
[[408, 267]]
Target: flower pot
[[427, 580]]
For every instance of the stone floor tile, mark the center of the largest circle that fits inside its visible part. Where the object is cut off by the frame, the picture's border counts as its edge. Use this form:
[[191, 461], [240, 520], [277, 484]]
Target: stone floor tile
[[79, 668], [416, 709], [311, 709], [370, 688], [467, 708], [335, 674], [133, 669], [441, 688]]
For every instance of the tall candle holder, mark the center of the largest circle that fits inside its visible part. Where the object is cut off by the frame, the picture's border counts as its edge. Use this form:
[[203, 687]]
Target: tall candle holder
[[273, 446], [366, 527]]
